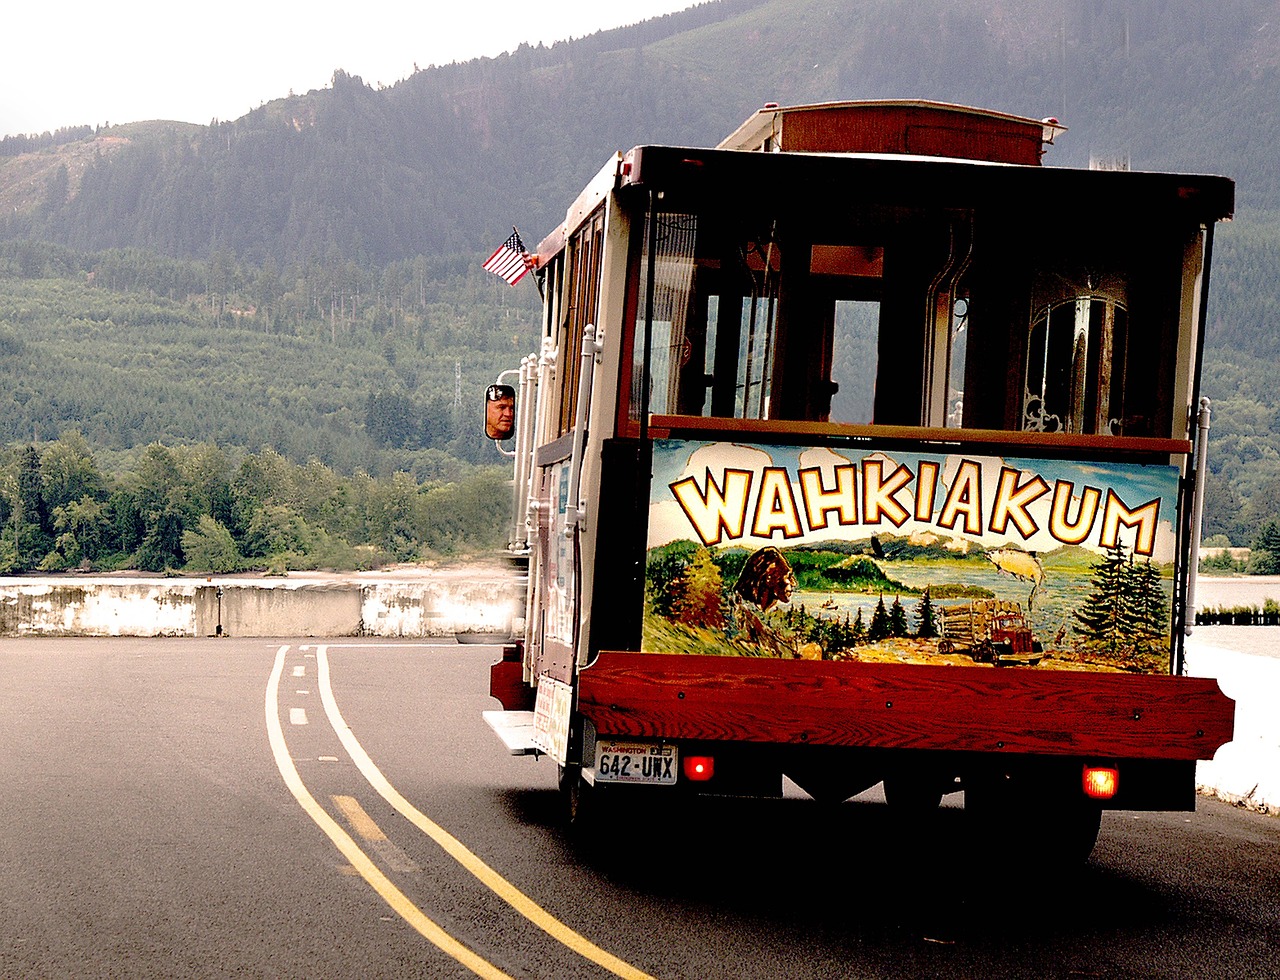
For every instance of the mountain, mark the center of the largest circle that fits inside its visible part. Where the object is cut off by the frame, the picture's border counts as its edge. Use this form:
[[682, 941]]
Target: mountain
[[442, 163], [449, 157]]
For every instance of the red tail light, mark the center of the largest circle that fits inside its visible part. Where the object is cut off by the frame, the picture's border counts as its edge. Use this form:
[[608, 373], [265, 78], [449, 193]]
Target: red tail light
[[699, 768], [1101, 783]]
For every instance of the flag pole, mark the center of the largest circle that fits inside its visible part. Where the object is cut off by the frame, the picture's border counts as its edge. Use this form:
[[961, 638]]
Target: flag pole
[[537, 283]]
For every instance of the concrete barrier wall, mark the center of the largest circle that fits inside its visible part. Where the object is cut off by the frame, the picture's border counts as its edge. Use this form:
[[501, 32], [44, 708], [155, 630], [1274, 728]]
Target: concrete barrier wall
[[443, 605], [68, 607], [328, 609]]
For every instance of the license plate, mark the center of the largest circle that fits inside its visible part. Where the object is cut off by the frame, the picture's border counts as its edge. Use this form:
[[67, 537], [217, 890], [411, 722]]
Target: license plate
[[620, 761]]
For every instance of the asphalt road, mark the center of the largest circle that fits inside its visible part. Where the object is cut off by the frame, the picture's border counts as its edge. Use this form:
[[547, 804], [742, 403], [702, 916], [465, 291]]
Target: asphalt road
[[195, 808]]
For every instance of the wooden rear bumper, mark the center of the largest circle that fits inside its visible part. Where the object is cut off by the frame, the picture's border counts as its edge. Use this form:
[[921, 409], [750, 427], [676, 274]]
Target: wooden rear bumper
[[890, 706]]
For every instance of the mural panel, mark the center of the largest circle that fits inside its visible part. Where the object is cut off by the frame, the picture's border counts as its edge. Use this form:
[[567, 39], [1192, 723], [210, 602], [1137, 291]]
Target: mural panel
[[889, 556]]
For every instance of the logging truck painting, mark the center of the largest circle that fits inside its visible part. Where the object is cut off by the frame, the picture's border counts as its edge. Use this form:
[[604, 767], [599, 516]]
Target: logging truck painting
[[991, 631], [812, 553]]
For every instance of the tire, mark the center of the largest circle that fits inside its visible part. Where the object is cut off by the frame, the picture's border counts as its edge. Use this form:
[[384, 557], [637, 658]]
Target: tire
[[830, 788], [579, 803], [1033, 830], [1077, 827], [913, 793]]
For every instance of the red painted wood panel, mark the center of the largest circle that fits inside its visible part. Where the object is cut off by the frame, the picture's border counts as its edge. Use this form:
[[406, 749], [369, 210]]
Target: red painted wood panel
[[975, 709], [506, 683], [922, 130]]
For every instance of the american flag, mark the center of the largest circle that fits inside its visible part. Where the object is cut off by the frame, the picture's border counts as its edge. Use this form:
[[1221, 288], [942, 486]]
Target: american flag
[[508, 262]]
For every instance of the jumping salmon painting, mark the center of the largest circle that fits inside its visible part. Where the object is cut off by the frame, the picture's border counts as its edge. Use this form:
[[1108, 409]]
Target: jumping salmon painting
[[1022, 565]]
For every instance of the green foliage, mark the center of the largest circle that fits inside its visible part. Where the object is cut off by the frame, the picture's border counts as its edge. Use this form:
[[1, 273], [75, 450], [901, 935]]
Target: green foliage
[[1241, 355], [832, 636], [699, 593], [9, 558], [926, 618], [1221, 562], [355, 368], [665, 567], [879, 627], [211, 548], [897, 620], [858, 630], [1126, 612], [822, 568], [1264, 556], [304, 277], [855, 570], [200, 509], [274, 530]]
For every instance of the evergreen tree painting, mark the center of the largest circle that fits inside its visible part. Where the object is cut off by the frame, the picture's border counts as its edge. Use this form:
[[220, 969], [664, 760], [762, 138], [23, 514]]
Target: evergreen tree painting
[[699, 593], [1126, 611], [1100, 617], [1150, 609], [897, 618], [926, 622], [879, 627], [858, 631]]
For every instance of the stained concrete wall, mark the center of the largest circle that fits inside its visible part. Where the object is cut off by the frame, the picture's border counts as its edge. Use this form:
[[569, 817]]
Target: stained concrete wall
[[321, 609], [427, 604], [441, 607], [68, 607]]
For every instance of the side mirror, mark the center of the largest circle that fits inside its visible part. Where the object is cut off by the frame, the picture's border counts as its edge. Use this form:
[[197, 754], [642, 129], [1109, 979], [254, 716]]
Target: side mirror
[[499, 412]]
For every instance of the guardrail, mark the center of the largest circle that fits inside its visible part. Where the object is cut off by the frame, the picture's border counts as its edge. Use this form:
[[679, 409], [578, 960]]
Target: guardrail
[[1237, 617]]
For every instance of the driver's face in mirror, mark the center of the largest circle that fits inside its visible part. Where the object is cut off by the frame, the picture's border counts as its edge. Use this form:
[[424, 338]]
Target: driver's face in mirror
[[499, 412]]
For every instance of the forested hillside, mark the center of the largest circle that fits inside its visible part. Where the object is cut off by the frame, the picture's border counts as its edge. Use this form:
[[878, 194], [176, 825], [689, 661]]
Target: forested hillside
[[168, 414], [368, 370], [450, 157], [305, 278]]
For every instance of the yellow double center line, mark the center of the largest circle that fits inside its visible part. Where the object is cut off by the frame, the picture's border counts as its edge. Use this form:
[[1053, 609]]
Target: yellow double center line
[[452, 846]]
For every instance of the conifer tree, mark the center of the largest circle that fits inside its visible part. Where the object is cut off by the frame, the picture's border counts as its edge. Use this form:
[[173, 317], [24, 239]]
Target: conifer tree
[[1265, 556], [843, 634], [858, 631], [897, 618], [879, 627], [926, 622], [1150, 605], [31, 526], [700, 593], [1103, 618]]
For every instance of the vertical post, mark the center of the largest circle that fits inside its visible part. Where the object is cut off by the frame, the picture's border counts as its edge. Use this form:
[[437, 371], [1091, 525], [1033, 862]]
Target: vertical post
[[545, 370], [649, 284], [1197, 507], [582, 414], [518, 540]]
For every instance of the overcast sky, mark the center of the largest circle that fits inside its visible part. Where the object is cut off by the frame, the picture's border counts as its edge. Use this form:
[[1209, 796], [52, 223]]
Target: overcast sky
[[76, 62]]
